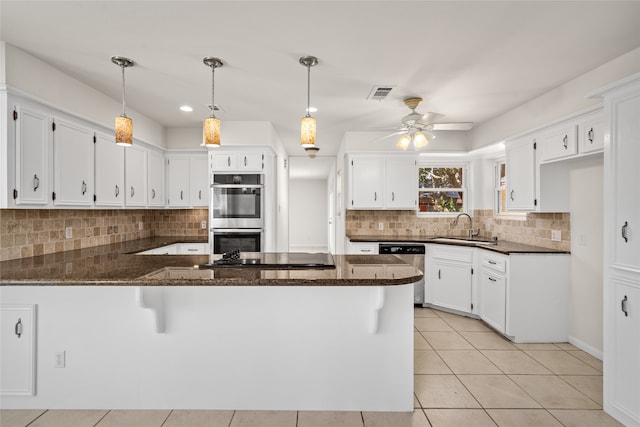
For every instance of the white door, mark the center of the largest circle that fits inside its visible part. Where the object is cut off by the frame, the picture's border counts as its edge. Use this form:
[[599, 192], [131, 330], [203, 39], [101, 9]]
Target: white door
[[367, 177], [250, 162], [626, 382], [401, 190], [452, 285], [178, 179], [493, 299], [520, 162], [109, 169], [155, 181], [136, 176], [72, 164], [223, 162], [32, 157], [17, 353], [199, 181]]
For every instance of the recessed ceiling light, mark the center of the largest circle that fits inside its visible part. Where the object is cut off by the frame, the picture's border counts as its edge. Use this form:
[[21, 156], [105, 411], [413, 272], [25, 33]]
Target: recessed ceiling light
[[311, 110], [186, 108]]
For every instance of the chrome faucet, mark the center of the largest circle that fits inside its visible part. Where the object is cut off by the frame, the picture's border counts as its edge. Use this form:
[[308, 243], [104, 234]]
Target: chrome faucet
[[472, 232]]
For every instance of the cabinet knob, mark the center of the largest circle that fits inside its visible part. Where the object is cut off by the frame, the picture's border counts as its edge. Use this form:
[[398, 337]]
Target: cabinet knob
[[18, 328], [133, 191], [393, 196], [199, 194], [375, 195], [245, 161], [36, 182], [439, 274], [565, 142], [623, 306], [229, 161], [624, 231], [590, 135], [84, 187], [181, 195], [511, 195], [492, 279], [117, 190], [153, 193]]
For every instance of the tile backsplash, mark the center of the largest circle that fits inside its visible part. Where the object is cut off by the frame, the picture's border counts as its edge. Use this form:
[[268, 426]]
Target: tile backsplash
[[534, 230], [30, 232]]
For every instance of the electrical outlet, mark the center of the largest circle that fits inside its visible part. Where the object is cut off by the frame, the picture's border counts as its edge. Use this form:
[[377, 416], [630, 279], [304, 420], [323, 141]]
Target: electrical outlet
[[381, 226], [59, 359], [68, 233], [556, 235], [203, 225], [582, 239], [140, 226]]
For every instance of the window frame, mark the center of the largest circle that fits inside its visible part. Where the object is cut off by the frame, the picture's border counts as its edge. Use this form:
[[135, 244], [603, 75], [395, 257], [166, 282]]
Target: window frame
[[465, 189]]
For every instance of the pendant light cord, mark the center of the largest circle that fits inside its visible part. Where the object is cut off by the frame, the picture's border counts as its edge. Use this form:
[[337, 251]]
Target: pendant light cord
[[123, 98], [213, 88], [308, 90]]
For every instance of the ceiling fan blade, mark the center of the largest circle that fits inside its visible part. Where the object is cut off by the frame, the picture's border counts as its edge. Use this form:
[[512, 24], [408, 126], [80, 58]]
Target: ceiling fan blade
[[452, 126], [390, 135], [430, 118]]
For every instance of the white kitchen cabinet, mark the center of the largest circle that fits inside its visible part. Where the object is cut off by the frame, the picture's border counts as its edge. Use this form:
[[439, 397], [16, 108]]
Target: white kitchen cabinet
[[449, 272], [401, 183], [178, 180], [199, 181], [18, 350], [155, 178], [521, 174], [493, 290], [33, 135], [621, 308], [379, 182], [72, 164], [558, 142], [236, 161], [135, 158], [109, 169], [591, 132]]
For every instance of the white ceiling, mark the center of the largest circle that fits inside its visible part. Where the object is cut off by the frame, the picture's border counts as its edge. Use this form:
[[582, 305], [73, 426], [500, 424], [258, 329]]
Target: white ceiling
[[469, 60]]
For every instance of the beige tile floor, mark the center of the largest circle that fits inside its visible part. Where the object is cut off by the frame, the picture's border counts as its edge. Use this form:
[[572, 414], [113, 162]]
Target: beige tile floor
[[465, 375]]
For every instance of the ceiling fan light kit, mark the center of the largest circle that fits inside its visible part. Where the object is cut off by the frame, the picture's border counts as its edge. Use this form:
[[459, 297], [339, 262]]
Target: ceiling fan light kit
[[308, 123], [123, 124], [211, 125]]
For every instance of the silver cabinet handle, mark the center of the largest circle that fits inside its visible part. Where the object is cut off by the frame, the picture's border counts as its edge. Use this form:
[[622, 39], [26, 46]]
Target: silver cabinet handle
[[624, 231], [18, 328], [492, 279], [590, 135], [192, 250], [492, 262], [439, 275], [623, 306], [133, 191], [365, 250], [229, 161], [181, 195], [199, 194], [511, 195], [375, 195], [84, 187], [117, 190], [36, 182], [153, 193], [245, 161], [393, 196], [565, 143]]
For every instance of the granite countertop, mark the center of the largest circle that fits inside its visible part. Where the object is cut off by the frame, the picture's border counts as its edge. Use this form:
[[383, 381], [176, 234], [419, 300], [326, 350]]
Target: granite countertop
[[502, 247], [117, 265]]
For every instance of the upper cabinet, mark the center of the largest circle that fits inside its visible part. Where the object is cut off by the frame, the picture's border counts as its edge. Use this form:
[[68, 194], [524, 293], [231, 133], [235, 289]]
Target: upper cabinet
[[72, 164], [558, 142], [109, 169], [188, 180], [521, 161], [236, 161], [199, 181], [33, 135], [382, 182], [135, 158], [155, 178]]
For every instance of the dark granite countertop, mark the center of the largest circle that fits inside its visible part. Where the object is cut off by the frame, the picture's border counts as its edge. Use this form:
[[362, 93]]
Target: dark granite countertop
[[117, 265], [502, 247]]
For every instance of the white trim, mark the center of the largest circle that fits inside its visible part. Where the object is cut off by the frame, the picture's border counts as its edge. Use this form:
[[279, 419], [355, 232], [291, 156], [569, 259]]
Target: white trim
[[586, 348]]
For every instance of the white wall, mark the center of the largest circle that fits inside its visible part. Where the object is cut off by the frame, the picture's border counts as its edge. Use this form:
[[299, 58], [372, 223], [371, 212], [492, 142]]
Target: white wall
[[232, 133], [445, 141], [557, 103], [308, 221], [586, 204], [51, 86]]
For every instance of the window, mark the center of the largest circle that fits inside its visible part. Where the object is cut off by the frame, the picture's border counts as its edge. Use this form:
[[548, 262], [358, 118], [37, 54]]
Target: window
[[441, 189]]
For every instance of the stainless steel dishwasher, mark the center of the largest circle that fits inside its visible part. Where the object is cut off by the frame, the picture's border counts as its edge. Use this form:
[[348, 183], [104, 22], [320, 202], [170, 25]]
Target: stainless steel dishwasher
[[408, 249]]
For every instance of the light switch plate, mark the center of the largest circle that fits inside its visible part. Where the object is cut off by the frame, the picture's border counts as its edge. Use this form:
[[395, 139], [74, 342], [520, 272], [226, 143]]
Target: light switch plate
[[556, 235], [381, 226]]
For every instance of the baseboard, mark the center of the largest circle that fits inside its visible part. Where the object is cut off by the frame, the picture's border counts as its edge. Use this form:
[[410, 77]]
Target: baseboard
[[586, 348]]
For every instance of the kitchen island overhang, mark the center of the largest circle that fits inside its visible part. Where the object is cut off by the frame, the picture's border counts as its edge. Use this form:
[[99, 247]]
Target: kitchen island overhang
[[237, 345]]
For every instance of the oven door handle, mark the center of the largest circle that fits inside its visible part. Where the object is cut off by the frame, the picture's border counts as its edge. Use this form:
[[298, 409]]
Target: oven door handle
[[237, 185], [237, 230]]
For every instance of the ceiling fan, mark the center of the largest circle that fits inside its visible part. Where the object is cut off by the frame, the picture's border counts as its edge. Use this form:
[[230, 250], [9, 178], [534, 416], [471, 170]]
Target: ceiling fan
[[416, 127]]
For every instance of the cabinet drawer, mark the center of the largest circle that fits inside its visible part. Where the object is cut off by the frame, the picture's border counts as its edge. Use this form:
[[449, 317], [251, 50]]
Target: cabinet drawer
[[559, 142], [192, 248], [494, 263], [453, 254], [363, 248]]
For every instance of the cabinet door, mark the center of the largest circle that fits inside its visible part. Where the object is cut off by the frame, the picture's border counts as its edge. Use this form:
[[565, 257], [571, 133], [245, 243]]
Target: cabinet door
[[493, 299], [136, 176], [155, 180], [251, 162], [72, 164], [364, 271], [17, 357], [626, 375], [401, 189], [366, 182], [520, 164], [109, 165], [178, 178], [558, 142], [199, 181], [32, 148], [452, 285], [221, 162], [625, 153], [362, 248], [591, 133]]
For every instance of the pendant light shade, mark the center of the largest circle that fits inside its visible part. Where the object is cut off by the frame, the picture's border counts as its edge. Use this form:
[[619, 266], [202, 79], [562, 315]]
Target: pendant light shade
[[419, 139], [211, 126], [123, 124], [308, 123]]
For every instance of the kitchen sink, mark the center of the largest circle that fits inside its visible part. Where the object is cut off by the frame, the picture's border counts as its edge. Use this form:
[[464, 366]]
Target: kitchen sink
[[463, 240]]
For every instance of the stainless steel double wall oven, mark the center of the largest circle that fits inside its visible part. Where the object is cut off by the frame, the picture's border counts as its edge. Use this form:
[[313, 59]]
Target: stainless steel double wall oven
[[236, 214]]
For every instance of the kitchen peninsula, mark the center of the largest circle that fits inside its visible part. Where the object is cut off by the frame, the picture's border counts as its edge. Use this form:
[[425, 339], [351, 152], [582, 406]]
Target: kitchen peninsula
[[117, 330]]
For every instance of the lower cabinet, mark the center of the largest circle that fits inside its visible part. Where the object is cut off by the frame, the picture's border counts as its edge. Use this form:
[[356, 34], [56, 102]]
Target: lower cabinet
[[493, 290], [450, 271], [17, 353]]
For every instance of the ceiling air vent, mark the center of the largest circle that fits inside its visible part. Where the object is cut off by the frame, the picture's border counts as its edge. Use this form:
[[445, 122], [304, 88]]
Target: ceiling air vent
[[380, 92]]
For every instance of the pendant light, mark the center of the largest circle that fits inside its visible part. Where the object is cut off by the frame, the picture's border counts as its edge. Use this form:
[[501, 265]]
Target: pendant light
[[124, 124], [211, 126], [308, 123]]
